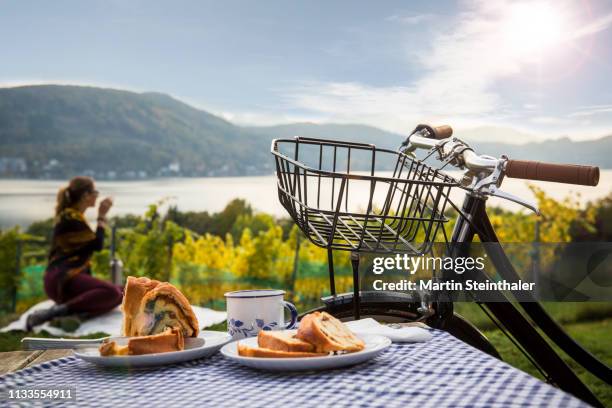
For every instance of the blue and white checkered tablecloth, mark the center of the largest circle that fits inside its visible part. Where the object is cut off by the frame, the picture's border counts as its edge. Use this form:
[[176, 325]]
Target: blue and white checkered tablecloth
[[444, 372]]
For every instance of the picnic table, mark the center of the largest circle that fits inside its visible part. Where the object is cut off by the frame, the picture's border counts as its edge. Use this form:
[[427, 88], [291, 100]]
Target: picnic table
[[16, 360], [441, 372]]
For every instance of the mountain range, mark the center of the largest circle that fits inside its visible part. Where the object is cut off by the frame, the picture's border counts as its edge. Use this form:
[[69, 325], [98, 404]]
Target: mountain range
[[58, 131]]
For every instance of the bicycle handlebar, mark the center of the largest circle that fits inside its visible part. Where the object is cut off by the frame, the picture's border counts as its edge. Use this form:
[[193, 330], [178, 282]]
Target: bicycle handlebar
[[473, 161], [438, 132], [428, 137], [559, 173]]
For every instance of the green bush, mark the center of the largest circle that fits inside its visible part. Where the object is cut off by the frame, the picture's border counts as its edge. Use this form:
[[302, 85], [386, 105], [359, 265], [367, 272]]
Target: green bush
[[9, 277]]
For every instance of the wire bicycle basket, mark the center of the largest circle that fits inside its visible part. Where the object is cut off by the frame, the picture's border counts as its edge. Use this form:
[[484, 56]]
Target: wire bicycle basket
[[323, 185], [404, 197]]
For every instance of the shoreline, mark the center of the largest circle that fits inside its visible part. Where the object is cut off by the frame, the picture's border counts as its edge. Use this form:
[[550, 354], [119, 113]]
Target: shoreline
[[23, 201]]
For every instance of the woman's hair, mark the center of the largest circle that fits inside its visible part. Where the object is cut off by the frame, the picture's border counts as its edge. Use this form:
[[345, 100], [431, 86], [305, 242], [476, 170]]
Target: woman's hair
[[71, 194]]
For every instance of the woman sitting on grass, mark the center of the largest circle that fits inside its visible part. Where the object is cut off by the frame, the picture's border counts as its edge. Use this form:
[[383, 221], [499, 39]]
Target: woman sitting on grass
[[68, 279]]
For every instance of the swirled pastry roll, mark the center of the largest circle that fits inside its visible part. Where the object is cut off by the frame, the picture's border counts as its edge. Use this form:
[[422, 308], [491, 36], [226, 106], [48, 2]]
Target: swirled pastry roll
[[151, 306], [165, 306], [135, 289]]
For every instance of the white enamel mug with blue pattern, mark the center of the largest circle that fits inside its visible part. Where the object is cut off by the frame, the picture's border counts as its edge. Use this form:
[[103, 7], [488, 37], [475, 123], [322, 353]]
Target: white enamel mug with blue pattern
[[249, 311]]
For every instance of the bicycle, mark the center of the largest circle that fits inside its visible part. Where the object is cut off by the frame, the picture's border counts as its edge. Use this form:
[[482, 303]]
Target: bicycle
[[414, 200]]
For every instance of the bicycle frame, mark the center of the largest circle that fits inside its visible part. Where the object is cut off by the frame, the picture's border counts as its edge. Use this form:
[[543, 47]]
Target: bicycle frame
[[476, 222]]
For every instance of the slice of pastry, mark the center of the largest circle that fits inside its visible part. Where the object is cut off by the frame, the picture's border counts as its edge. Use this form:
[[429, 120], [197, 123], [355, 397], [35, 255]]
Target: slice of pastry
[[165, 306], [327, 333], [135, 289], [111, 348], [282, 341], [169, 340], [150, 307], [247, 351]]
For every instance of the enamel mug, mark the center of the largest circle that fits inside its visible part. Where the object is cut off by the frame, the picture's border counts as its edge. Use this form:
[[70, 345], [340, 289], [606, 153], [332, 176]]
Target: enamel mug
[[249, 311]]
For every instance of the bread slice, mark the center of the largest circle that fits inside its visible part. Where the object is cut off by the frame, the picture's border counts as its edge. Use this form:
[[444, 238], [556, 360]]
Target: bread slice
[[247, 351], [282, 341], [327, 334], [170, 340]]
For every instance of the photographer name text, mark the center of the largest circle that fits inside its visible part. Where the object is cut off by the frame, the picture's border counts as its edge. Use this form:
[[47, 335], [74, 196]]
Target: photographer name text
[[431, 285]]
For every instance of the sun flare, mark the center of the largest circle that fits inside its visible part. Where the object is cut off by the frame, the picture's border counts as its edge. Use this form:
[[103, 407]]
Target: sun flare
[[531, 29]]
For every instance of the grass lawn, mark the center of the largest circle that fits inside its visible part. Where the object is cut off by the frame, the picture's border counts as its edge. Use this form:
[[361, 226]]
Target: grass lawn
[[594, 335], [590, 324]]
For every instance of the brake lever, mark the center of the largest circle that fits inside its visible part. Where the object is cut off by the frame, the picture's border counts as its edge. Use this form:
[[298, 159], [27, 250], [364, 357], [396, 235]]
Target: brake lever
[[494, 191]]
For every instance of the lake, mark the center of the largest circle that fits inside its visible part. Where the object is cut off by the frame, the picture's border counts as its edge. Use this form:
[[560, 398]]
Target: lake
[[24, 201]]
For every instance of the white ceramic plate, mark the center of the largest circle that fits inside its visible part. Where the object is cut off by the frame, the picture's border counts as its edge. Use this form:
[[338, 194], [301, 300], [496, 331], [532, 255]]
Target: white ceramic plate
[[375, 345], [207, 343]]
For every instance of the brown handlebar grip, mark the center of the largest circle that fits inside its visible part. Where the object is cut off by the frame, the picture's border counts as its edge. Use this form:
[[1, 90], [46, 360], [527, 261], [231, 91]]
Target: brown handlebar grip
[[442, 132], [439, 132], [559, 173]]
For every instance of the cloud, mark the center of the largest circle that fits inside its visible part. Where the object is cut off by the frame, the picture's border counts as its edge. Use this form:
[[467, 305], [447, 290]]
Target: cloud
[[411, 19], [259, 118], [396, 108], [549, 120], [591, 111], [601, 24], [460, 73], [459, 69]]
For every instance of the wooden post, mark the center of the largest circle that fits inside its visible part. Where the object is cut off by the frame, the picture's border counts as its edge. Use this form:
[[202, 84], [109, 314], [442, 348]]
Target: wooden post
[[18, 251], [356, 292], [169, 259], [330, 266], [113, 243], [115, 263], [296, 260]]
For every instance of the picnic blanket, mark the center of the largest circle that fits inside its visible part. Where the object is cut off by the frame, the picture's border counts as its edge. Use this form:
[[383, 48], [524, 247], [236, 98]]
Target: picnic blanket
[[443, 372], [109, 323]]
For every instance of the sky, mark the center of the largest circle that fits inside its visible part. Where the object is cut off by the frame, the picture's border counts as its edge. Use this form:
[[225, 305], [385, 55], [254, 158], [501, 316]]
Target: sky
[[541, 69]]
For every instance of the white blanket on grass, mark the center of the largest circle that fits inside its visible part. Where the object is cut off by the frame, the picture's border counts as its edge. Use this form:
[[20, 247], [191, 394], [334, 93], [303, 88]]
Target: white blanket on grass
[[109, 323]]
